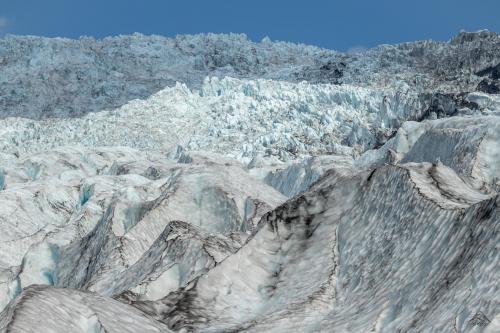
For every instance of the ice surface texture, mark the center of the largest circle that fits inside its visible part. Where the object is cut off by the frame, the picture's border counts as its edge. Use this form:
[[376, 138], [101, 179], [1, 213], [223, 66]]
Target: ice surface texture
[[43, 77], [208, 183]]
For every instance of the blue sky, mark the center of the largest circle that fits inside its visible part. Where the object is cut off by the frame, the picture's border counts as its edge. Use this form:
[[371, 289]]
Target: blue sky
[[332, 24]]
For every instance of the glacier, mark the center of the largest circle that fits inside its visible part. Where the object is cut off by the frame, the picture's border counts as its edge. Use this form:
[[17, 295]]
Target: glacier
[[208, 183]]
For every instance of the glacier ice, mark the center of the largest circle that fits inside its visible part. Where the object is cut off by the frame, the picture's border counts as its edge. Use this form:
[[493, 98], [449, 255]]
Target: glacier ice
[[58, 77], [239, 118], [208, 183], [354, 261], [52, 235]]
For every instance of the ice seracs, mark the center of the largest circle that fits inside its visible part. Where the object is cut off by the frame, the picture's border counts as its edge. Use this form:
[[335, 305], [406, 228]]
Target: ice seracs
[[58, 77], [253, 187], [242, 119]]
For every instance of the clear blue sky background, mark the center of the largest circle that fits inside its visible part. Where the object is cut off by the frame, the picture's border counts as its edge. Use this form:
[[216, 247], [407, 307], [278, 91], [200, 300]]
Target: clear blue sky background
[[333, 24]]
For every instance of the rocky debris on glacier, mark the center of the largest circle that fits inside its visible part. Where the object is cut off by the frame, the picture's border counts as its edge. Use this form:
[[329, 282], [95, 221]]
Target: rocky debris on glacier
[[490, 83]]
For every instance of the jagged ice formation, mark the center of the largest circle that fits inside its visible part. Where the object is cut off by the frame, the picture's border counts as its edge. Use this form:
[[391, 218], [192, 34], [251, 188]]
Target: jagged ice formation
[[208, 183]]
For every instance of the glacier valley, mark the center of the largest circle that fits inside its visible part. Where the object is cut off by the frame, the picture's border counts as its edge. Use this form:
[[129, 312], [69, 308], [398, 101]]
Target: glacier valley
[[208, 183]]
